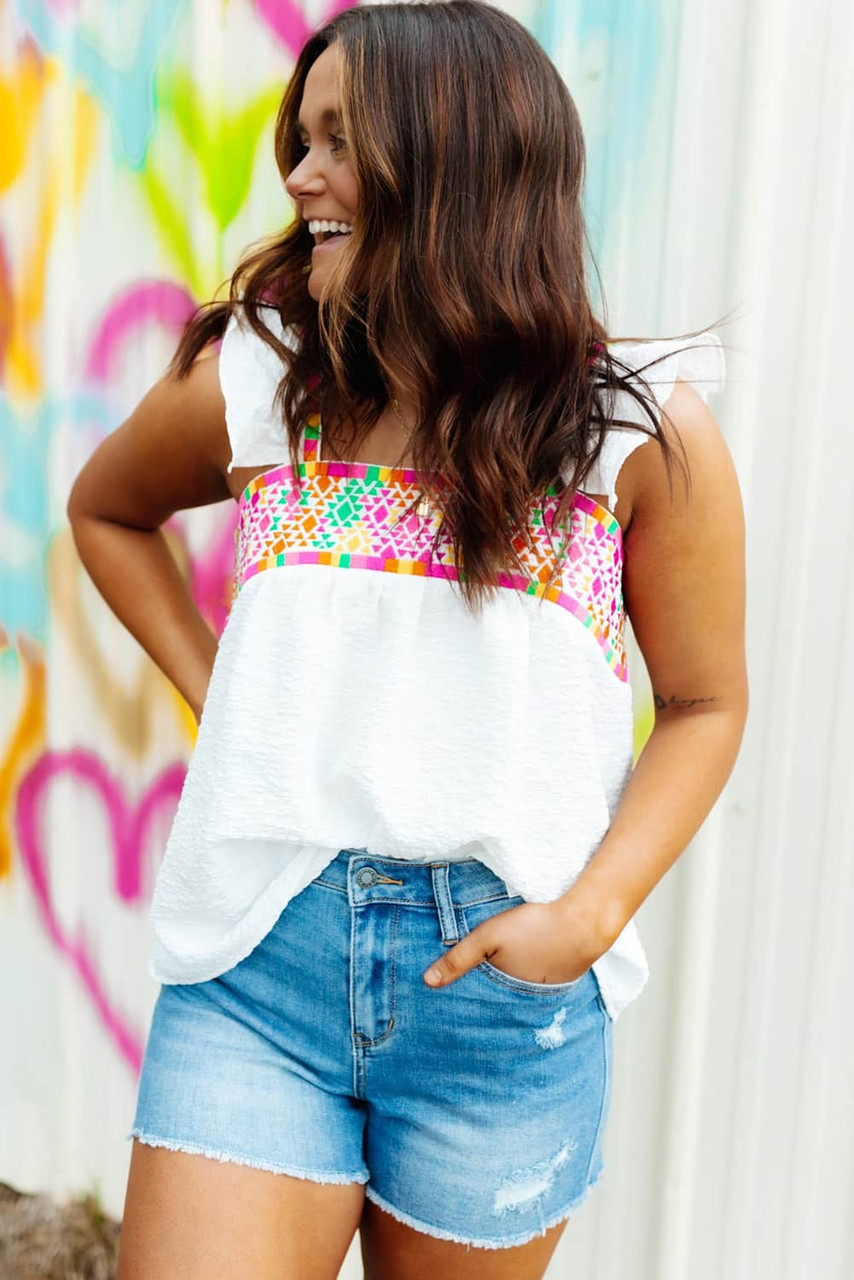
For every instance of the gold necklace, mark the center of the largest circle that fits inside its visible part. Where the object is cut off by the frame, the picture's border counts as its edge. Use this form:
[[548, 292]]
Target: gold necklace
[[396, 408]]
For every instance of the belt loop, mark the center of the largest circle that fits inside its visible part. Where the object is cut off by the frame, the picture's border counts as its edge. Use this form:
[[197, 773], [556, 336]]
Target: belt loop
[[444, 903]]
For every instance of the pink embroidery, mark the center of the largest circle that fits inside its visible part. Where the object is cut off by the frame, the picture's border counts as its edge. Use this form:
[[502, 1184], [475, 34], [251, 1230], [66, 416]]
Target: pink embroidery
[[351, 515]]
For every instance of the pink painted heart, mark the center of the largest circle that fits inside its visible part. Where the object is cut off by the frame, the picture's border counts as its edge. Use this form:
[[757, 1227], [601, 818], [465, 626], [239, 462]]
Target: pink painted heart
[[129, 826], [212, 580], [163, 303], [288, 22], [210, 570], [142, 303]]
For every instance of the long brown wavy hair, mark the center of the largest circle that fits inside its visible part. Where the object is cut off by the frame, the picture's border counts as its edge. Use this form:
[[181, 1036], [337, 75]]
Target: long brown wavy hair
[[469, 157]]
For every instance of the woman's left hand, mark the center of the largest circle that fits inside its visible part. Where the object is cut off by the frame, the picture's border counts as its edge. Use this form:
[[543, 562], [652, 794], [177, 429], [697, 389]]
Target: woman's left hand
[[536, 941]]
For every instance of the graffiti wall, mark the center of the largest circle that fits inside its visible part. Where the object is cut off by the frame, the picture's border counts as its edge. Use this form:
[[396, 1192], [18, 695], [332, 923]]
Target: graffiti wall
[[135, 165]]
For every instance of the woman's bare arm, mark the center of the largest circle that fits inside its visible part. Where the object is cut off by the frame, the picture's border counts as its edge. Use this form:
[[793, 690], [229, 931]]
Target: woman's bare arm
[[171, 454], [684, 590]]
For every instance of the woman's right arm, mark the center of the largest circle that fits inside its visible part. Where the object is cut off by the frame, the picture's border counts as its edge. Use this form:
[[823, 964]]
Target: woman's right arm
[[171, 454]]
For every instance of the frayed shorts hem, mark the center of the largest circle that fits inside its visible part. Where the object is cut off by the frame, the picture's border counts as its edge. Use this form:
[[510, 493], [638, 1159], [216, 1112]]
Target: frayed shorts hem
[[473, 1242], [234, 1157]]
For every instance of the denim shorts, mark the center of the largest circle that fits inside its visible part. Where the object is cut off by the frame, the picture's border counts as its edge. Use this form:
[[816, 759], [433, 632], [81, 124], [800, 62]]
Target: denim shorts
[[474, 1112]]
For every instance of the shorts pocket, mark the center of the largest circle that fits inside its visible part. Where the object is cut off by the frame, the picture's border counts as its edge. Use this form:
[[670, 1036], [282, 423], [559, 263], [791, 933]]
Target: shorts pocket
[[474, 914]]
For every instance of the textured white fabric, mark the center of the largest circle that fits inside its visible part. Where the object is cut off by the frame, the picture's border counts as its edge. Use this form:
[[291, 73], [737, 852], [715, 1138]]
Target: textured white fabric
[[249, 373], [701, 363], [353, 709], [349, 708]]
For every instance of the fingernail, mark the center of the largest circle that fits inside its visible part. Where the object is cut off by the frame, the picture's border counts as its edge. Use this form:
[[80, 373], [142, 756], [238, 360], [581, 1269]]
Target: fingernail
[[433, 975]]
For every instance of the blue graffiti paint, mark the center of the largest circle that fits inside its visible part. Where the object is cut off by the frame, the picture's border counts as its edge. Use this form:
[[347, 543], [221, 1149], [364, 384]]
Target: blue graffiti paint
[[25, 514], [612, 54], [126, 93]]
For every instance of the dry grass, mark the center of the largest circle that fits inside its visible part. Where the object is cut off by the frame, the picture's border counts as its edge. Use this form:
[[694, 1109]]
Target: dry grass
[[43, 1240]]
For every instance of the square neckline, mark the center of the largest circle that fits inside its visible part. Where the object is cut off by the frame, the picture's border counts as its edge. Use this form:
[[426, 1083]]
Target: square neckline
[[313, 465], [314, 423]]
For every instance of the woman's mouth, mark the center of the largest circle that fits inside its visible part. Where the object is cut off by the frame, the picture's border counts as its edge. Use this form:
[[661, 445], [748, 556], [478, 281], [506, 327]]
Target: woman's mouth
[[331, 242]]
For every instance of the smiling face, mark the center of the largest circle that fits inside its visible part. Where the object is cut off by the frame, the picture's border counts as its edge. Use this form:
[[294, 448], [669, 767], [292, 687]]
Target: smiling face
[[323, 185]]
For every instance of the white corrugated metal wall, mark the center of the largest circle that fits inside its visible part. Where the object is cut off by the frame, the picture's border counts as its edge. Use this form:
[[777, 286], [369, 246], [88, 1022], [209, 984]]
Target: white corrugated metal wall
[[720, 180], [731, 1149]]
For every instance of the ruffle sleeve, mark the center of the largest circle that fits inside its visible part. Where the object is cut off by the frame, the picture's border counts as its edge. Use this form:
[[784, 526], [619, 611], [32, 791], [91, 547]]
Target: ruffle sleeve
[[699, 361], [249, 373]]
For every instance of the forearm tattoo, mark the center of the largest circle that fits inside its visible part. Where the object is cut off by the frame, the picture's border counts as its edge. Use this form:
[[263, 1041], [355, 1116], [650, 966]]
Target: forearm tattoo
[[662, 704]]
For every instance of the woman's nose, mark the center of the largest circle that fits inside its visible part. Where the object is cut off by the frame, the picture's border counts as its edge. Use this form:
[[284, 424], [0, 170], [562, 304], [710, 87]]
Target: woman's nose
[[302, 179]]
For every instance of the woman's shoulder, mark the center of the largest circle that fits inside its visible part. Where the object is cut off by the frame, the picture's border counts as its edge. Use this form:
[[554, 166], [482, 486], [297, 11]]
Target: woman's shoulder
[[655, 367]]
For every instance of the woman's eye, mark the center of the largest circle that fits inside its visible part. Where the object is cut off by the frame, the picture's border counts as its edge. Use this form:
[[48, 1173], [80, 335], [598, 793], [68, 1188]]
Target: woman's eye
[[338, 144]]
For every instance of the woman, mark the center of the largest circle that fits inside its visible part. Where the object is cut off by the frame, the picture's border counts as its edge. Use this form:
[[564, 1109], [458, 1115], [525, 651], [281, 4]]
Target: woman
[[402, 764]]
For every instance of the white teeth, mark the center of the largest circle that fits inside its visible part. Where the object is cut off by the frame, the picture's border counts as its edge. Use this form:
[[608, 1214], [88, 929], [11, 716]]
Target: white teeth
[[316, 226]]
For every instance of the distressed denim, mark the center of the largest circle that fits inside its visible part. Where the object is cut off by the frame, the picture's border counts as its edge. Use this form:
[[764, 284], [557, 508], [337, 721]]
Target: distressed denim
[[473, 1112]]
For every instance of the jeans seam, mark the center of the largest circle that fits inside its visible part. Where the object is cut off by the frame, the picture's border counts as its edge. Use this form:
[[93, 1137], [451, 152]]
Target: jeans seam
[[605, 1087], [502, 979], [327, 884], [369, 1044], [473, 902]]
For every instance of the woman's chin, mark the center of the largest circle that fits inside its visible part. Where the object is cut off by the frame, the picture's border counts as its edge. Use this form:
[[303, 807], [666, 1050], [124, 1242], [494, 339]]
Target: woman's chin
[[317, 277], [315, 284]]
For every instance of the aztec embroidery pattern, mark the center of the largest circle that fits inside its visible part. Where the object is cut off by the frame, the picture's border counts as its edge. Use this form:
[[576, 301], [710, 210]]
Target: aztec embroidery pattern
[[350, 516]]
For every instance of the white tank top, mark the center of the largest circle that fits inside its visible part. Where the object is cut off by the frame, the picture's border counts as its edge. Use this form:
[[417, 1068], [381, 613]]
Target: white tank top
[[354, 702]]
